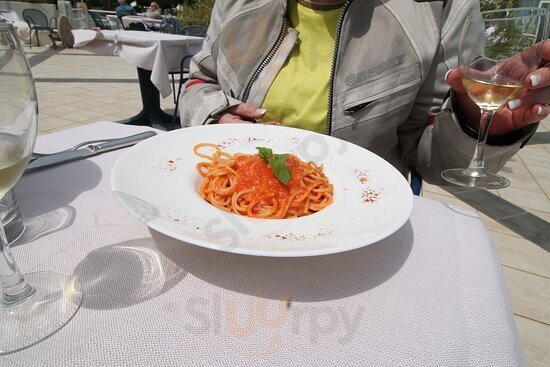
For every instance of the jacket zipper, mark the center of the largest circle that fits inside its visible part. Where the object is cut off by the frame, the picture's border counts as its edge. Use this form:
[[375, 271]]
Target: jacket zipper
[[333, 67], [267, 60]]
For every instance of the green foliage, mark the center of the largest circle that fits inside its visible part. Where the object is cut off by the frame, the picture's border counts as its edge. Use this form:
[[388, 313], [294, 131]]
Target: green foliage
[[195, 12], [498, 4], [508, 37]]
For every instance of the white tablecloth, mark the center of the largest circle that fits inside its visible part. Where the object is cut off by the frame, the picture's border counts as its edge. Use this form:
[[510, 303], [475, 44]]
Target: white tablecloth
[[148, 22], [432, 294], [8, 15], [158, 52], [22, 28]]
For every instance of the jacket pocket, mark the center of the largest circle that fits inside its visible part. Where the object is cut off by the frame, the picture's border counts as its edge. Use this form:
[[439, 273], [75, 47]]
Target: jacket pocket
[[381, 96]]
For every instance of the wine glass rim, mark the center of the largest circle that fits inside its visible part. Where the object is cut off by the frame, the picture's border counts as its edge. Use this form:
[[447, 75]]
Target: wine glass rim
[[540, 11]]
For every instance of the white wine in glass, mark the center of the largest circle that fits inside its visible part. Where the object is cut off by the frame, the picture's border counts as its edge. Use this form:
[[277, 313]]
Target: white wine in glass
[[497, 51], [12, 160], [489, 95], [35, 305]]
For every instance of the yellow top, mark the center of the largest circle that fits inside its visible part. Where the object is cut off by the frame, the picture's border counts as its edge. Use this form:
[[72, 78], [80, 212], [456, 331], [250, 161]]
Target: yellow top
[[298, 96]]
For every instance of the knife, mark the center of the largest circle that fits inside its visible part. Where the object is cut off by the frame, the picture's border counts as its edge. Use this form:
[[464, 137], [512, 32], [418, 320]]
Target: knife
[[87, 151]]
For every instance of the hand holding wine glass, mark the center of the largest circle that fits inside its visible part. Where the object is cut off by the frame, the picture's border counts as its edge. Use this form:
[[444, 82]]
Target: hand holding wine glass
[[528, 107], [34, 306], [499, 61]]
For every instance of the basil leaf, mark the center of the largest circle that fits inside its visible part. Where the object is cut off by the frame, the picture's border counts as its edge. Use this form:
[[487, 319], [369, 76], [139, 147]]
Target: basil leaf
[[265, 153], [277, 164], [279, 168], [283, 174], [279, 158]]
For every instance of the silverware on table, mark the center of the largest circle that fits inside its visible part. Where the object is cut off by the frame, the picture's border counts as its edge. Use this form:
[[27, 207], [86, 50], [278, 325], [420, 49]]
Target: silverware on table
[[84, 150]]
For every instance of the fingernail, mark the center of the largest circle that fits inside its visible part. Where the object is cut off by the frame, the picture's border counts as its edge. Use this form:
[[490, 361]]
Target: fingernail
[[535, 80], [540, 111], [261, 111], [514, 103], [447, 74]]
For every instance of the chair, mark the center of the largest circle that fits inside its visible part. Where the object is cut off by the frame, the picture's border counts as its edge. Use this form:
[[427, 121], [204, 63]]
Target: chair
[[38, 21], [98, 21], [184, 76], [190, 30], [114, 22], [193, 30], [170, 25]]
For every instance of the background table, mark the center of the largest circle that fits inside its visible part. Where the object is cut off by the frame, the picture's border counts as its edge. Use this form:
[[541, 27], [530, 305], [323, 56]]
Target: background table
[[148, 22], [154, 54], [22, 28], [9, 15], [432, 294]]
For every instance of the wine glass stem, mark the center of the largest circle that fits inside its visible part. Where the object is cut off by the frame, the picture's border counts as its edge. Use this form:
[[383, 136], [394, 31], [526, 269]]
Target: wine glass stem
[[15, 288], [477, 164]]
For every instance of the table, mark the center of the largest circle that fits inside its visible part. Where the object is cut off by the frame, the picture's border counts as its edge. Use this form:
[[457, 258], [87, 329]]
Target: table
[[8, 15], [22, 28], [148, 22], [432, 294], [154, 54]]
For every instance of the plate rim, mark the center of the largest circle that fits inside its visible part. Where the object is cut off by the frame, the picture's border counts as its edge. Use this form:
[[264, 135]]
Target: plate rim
[[156, 225]]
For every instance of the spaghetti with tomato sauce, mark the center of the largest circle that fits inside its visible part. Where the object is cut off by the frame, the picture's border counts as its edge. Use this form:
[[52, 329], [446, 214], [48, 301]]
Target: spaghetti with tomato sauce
[[245, 184]]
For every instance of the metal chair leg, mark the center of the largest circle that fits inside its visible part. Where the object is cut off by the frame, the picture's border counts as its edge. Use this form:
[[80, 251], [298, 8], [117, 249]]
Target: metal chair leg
[[416, 183], [53, 41], [175, 116], [180, 85], [174, 89]]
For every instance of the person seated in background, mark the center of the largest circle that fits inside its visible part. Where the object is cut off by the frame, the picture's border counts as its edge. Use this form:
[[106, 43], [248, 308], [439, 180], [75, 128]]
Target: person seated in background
[[154, 11], [124, 9]]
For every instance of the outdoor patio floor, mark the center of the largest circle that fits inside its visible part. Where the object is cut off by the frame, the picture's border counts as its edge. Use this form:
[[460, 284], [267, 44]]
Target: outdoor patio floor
[[76, 87]]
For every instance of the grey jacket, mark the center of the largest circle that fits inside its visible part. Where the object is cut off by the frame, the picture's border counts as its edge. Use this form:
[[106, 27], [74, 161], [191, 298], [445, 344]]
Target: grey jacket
[[387, 90]]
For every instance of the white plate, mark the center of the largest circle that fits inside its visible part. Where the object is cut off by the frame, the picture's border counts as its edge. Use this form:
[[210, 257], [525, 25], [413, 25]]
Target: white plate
[[156, 181]]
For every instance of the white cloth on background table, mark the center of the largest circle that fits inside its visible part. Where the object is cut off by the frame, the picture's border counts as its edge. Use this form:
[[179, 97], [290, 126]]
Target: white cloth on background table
[[9, 15], [148, 22], [158, 52], [22, 28], [432, 294]]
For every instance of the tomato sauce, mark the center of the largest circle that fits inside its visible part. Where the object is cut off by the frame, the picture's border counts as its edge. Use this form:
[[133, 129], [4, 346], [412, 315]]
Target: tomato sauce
[[253, 172]]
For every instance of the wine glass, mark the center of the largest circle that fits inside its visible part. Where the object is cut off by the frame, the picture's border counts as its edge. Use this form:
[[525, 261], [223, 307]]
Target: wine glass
[[495, 58], [35, 306]]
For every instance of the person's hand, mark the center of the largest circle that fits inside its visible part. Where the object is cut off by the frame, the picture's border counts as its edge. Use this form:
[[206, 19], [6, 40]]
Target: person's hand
[[527, 108], [244, 113]]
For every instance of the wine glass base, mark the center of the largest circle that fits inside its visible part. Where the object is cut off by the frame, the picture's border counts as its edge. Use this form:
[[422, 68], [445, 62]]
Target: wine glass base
[[58, 297], [467, 178]]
